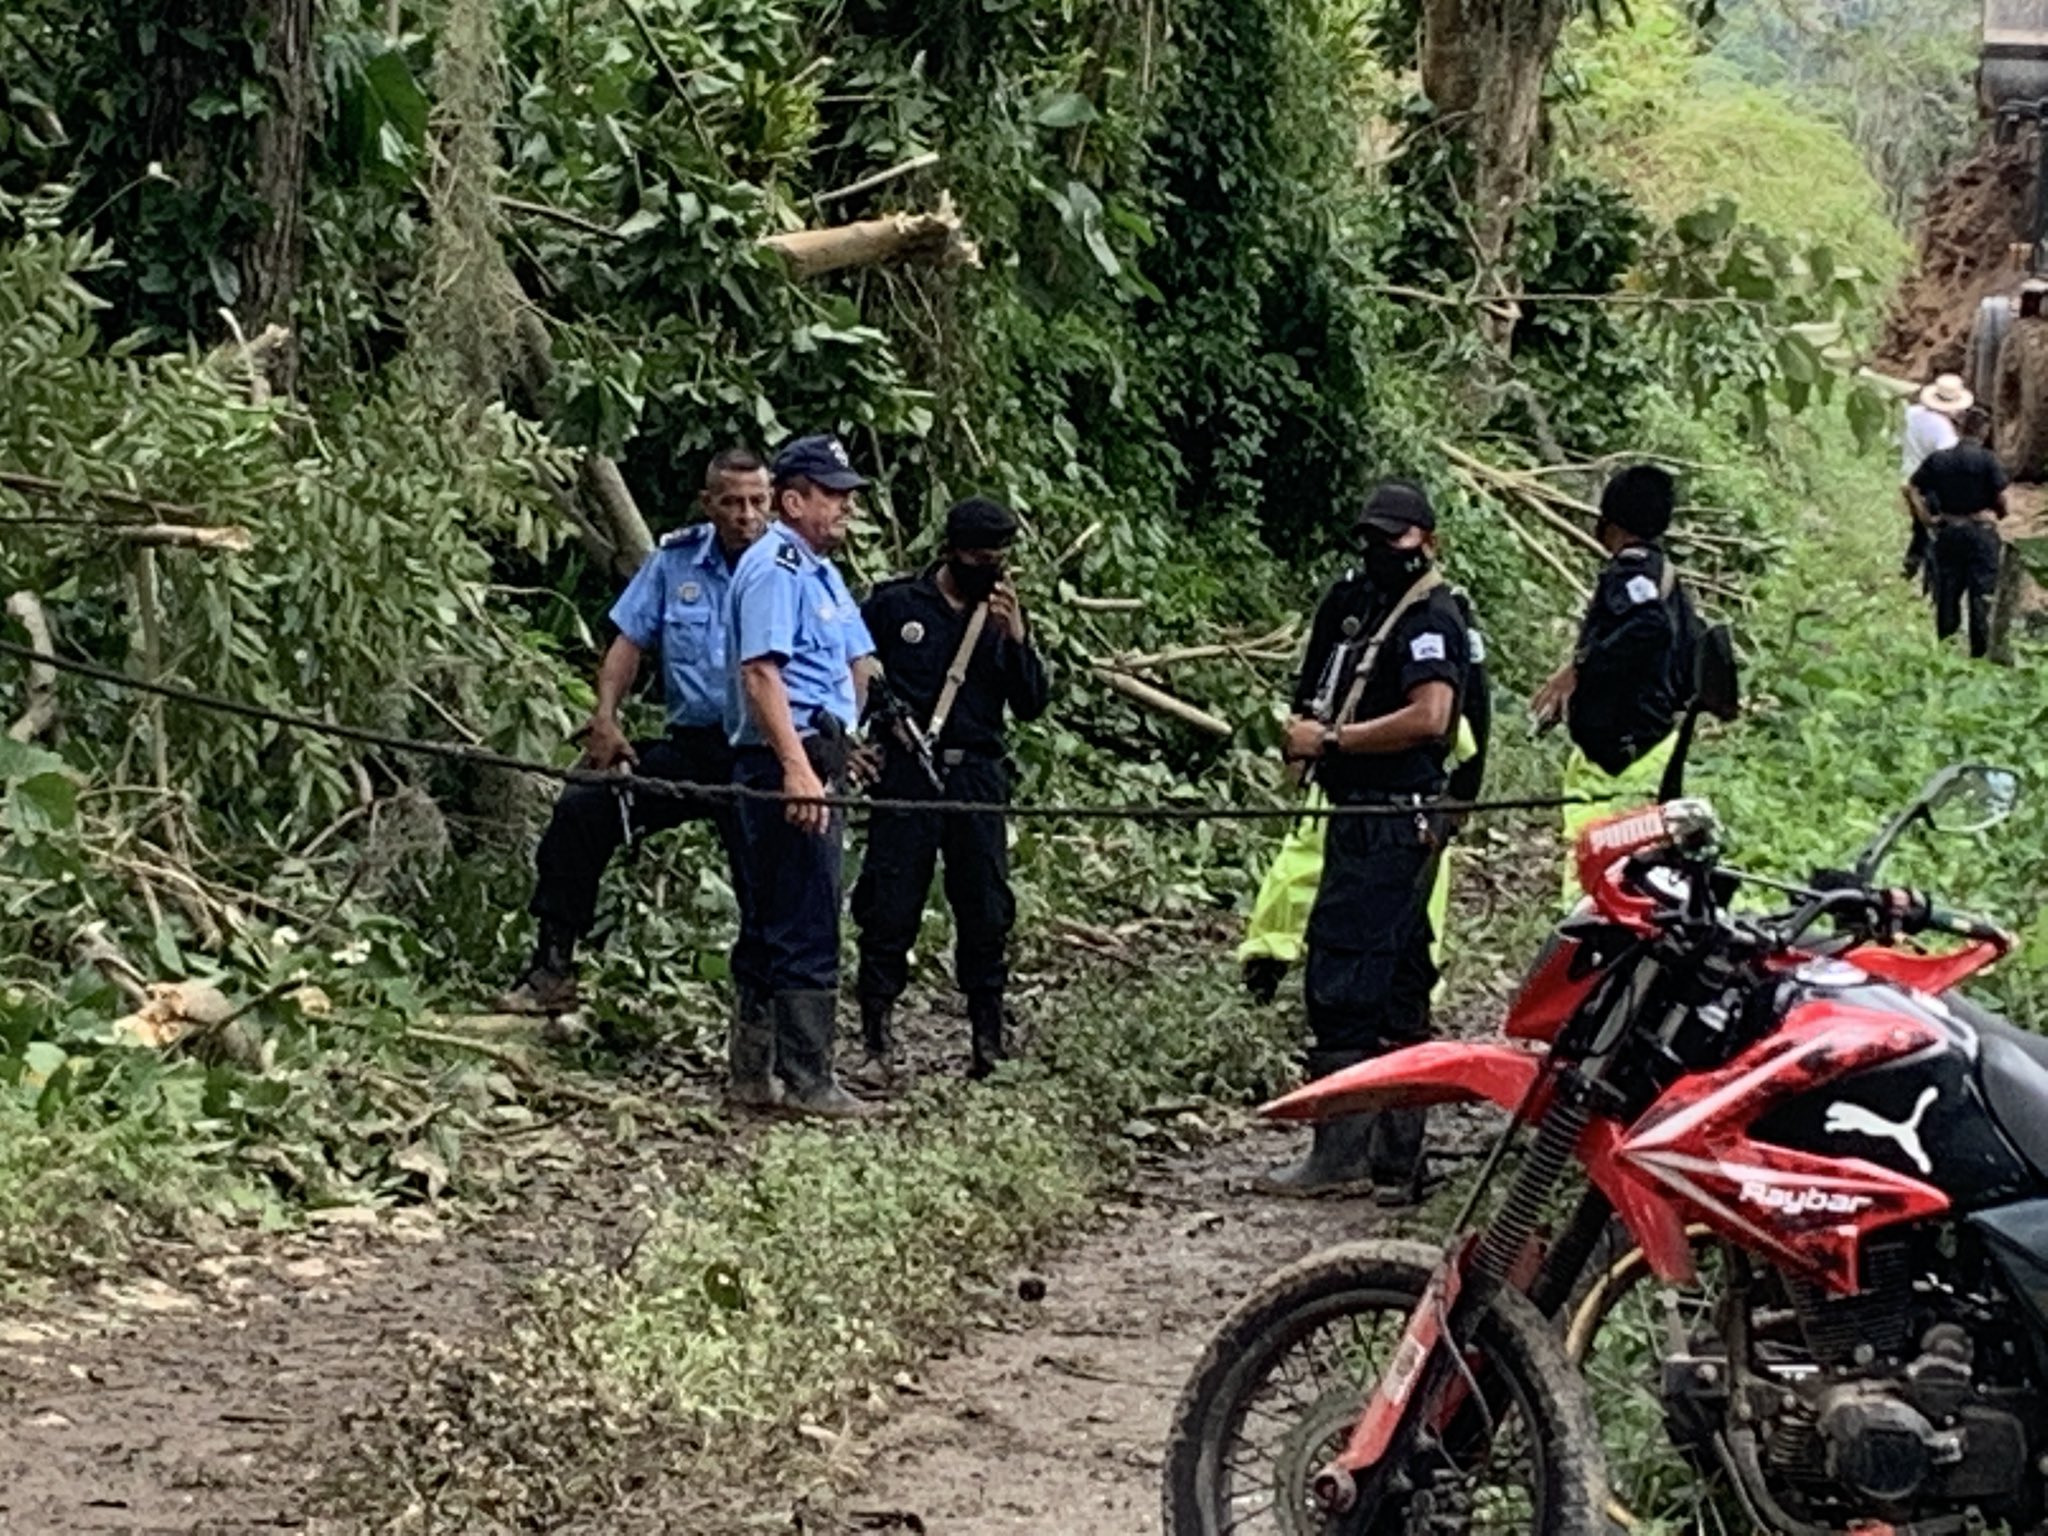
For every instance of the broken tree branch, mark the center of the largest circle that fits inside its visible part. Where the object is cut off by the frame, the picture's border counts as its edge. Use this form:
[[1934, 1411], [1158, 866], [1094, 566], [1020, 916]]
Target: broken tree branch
[[39, 485], [233, 540], [934, 237], [1163, 702], [560, 216], [1107, 604], [41, 713], [916, 163]]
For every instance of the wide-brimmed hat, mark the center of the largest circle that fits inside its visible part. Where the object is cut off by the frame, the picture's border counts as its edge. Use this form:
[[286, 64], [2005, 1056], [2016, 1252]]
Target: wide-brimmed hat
[[1948, 395]]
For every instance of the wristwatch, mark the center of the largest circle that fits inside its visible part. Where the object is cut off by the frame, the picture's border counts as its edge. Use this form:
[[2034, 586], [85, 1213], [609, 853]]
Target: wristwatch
[[1333, 741]]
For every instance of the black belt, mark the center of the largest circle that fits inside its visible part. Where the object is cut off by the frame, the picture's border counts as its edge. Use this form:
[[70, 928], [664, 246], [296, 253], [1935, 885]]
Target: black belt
[[1416, 798]]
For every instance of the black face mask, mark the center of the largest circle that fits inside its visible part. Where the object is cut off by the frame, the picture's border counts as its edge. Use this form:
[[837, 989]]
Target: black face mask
[[974, 583], [1393, 571]]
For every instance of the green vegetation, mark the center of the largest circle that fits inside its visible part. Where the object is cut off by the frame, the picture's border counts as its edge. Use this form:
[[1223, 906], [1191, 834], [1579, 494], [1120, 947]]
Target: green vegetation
[[1209, 308], [1679, 129], [780, 1292]]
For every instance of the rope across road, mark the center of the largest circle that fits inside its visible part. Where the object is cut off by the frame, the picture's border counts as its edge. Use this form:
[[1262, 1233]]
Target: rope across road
[[483, 757]]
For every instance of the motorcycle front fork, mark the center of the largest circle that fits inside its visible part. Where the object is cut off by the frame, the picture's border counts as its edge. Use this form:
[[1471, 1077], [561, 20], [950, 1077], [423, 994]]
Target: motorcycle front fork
[[1410, 1398]]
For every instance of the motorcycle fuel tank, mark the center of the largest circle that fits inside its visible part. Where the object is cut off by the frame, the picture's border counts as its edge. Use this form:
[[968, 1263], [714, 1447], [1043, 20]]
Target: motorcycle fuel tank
[[1923, 1115]]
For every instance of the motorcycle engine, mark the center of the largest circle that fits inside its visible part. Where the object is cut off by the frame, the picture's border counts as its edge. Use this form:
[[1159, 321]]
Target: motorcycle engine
[[1924, 1433], [1893, 1436], [1911, 1398]]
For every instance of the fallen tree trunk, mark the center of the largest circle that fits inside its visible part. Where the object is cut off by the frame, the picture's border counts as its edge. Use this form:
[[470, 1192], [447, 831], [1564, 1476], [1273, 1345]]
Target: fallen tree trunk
[[935, 237]]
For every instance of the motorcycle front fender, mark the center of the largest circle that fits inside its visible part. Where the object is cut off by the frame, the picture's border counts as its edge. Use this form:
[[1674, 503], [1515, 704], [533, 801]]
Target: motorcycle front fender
[[1436, 1072], [1474, 1072]]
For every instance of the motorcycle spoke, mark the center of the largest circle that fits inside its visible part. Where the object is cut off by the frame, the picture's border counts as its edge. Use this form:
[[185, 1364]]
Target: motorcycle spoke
[[1297, 1418]]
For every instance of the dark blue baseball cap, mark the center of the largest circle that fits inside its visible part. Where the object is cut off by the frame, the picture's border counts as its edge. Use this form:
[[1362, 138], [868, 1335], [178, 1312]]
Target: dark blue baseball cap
[[822, 460], [1395, 506]]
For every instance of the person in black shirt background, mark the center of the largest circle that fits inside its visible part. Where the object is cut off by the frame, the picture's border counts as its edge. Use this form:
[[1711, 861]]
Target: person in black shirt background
[[1964, 492], [1375, 713], [1631, 673], [920, 625]]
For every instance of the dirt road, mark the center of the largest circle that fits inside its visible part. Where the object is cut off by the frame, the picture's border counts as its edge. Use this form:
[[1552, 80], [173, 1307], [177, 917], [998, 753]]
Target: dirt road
[[1052, 1416], [211, 1402]]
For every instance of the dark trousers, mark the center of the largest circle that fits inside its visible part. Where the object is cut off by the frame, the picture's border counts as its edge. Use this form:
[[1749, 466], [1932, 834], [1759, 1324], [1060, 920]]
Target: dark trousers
[[1369, 974], [1966, 556], [794, 877], [587, 829], [903, 849]]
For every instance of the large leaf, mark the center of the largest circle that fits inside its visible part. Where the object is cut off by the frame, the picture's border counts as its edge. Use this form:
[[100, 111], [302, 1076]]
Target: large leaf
[[1084, 219], [1067, 109], [49, 801], [19, 760]]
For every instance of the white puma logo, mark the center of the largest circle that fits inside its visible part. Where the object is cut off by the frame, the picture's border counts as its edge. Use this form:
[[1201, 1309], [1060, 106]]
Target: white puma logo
[[1858, 1121]]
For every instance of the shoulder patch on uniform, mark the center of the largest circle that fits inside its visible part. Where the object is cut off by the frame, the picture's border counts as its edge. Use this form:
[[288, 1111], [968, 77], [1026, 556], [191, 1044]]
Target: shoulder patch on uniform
[[1475, 645], [1429, 647], [788, 558], [1641, 589]]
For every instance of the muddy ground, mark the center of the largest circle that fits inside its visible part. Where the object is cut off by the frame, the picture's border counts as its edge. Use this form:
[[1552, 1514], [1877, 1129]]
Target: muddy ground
[[212, 1395]]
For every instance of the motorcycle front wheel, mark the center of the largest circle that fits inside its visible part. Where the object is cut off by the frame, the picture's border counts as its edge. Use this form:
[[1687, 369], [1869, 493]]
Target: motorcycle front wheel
[[1276, 1395]]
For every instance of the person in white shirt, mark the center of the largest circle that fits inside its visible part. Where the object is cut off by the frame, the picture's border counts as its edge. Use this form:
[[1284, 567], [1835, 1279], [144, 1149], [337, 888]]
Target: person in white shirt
[[1930, 428]]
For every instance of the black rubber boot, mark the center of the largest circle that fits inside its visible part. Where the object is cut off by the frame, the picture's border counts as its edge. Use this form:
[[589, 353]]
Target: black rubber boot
[[985, 1023], [548, 985], [1339, 1153], [878, 1040], [1398, 1156], [750, 1054], [805, 1024]]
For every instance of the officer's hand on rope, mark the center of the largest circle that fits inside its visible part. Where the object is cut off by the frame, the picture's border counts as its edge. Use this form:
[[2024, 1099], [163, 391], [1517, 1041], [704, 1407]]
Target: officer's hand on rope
[[605, 746], [1004, 608], [800, 784]]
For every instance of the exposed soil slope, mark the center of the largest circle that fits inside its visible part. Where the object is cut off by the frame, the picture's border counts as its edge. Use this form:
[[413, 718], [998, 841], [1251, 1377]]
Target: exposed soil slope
[[1965, 244]]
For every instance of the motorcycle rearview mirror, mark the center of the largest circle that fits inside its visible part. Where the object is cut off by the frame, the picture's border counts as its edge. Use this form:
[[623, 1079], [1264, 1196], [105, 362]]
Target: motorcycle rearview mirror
[[1716, 691], [1960, 800], [1974, 799]]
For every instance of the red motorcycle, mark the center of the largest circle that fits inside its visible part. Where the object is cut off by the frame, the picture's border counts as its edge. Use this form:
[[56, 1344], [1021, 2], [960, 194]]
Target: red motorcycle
[[1867, 1150]]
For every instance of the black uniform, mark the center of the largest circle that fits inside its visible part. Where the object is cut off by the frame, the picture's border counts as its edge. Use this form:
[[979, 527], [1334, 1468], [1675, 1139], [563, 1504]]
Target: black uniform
[[917, 633], [1962, 487], [590, 821], [1369, 972], [1635, 659]]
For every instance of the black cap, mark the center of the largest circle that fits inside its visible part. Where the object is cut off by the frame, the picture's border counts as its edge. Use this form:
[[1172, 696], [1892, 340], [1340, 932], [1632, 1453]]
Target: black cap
[[1640, 500], [979, 523], [1394, 507], [822, 460]]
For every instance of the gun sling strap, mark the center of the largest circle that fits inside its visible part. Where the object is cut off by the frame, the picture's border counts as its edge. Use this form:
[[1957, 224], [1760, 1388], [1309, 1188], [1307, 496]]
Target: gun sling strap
[[1425, 584], [956, 674]]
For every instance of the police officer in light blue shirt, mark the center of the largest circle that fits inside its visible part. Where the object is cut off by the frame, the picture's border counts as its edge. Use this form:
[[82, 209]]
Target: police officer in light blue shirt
[[675, 608], [801, 657]]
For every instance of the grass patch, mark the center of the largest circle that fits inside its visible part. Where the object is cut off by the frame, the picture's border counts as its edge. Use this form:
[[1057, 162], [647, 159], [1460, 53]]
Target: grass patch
[[781, 1291]]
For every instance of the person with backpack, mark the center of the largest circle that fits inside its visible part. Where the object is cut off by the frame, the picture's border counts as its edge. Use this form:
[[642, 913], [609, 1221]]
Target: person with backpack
[[1631, 675], [1375, 715]]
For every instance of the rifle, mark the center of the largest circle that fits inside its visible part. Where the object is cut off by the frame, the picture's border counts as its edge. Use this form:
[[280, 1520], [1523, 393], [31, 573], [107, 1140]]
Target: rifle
[[890, 710]]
